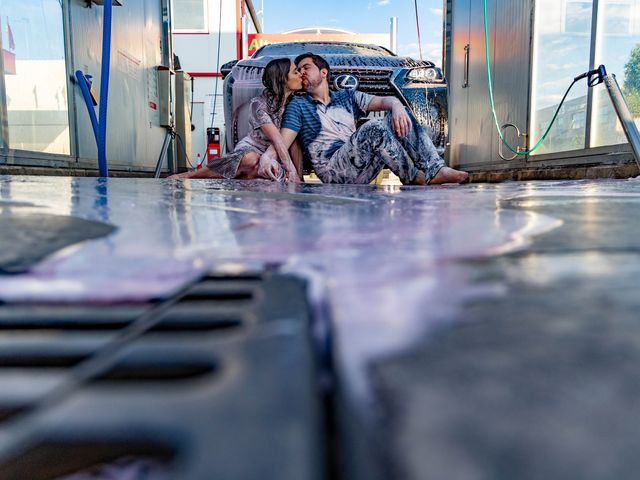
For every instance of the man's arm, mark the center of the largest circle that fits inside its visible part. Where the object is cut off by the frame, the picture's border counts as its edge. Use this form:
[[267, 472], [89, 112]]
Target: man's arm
[[297, 157], [401, 121], [288, 137]]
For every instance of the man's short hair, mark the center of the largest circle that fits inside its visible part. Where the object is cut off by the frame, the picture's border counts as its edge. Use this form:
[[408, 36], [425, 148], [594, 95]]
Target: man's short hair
[[316, 59]]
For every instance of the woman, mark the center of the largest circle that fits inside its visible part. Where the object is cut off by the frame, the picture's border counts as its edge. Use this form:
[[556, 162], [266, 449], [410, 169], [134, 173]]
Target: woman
[[280, 79]]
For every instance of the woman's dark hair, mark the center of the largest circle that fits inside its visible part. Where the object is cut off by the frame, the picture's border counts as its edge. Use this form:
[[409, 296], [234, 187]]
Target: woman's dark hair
[[274, 79]]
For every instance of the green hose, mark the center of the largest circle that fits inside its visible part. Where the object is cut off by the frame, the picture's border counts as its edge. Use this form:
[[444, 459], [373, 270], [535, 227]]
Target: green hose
[[493, 106]]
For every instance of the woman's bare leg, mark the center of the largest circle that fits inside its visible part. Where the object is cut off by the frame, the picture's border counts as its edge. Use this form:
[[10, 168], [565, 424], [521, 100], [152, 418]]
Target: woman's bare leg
[[248, 168], [202, 173]]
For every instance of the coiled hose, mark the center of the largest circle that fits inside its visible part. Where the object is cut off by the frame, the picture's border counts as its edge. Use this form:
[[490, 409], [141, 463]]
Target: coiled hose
[[492, 103]]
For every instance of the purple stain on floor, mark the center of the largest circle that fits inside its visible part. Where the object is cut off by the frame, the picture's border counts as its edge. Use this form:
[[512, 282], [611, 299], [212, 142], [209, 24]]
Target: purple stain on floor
[[170, 232]]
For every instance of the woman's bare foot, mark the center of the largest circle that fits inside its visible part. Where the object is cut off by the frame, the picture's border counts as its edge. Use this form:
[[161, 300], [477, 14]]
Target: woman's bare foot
[[449, 175]]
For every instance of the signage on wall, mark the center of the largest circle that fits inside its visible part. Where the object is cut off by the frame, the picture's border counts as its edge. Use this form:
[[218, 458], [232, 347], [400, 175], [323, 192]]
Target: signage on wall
[[257, 40], [9, 60], [8, 55]]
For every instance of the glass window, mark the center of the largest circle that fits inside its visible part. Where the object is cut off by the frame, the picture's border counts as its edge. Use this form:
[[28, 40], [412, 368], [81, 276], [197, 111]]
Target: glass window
[[35, 75], [562, 43], [616, 18], [190, 15], [618, 48], [577, 16]]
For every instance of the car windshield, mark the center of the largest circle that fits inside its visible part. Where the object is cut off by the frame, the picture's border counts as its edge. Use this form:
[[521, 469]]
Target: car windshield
[[282, 49]]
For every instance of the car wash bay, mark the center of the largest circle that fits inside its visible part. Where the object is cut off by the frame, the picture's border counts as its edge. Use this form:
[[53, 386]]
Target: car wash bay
[[316, 331], [536, 48]]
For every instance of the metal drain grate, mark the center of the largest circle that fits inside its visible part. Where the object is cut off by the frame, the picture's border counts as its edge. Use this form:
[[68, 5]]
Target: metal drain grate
[[228, 362]]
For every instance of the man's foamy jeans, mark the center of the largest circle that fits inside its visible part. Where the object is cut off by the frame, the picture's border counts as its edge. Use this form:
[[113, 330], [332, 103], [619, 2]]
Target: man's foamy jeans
[[375, 146]]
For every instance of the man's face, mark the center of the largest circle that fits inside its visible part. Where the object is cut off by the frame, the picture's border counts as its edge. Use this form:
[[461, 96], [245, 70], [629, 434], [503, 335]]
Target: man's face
[[312, 76]]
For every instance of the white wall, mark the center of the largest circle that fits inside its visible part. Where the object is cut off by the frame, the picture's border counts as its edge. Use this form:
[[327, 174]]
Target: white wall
[[198, 54]]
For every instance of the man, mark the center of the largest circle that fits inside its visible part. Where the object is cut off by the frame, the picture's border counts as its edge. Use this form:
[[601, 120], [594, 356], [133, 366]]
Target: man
[[325, 124]]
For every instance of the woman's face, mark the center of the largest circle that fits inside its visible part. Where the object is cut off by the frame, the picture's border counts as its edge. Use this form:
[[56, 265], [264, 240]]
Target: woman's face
[[294, 80]]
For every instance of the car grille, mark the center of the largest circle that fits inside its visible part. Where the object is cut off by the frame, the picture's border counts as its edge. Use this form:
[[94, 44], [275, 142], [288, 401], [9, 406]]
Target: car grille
[[248, 73], [372, 81]]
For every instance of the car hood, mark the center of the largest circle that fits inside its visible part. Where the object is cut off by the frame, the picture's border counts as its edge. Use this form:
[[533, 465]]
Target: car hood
[[346, 61]]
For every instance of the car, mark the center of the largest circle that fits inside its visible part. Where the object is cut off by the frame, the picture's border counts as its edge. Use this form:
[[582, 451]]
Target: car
[[372, 69]]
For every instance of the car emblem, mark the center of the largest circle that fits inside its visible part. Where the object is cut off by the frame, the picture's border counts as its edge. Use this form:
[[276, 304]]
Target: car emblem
[[346, 82]]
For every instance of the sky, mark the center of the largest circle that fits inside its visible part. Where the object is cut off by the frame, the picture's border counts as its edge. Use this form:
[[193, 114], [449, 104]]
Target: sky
[[363, 16]]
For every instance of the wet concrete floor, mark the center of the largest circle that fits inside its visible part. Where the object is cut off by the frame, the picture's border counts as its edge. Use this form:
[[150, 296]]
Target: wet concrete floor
[[480, 331]]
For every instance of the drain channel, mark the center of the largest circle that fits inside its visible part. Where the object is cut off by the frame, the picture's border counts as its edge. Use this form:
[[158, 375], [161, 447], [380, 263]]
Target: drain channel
[[203, 312]]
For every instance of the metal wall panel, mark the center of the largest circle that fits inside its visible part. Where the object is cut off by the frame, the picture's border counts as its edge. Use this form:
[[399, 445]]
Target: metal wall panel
[[134, 137], [458, 94], [510, 43], [4, 127], [183, 120], [512, 69], [480, 131]]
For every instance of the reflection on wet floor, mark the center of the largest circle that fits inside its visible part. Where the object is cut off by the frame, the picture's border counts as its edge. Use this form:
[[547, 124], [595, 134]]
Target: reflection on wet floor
[[387, 243], [401, 246], [518, 295]]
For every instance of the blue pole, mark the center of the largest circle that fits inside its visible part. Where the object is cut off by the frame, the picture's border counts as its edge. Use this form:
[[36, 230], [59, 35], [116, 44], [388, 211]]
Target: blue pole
[[99, 125], [104, 89]]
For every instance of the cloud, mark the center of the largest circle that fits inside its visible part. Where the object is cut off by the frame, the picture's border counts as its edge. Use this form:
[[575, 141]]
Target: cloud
[[430, 52], [437, 11], [383, 3]]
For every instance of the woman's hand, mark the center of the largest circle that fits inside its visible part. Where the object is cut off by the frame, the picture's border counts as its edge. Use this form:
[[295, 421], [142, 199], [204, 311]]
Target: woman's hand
[[280, 149], [269, 166]]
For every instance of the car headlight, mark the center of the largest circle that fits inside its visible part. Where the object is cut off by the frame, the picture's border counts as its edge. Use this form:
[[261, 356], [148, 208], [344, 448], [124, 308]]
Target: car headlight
[[424, 75]]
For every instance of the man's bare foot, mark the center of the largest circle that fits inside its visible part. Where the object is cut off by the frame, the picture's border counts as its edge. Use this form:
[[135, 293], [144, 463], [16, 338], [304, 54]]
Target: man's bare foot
[[421, 179], [449, 175]]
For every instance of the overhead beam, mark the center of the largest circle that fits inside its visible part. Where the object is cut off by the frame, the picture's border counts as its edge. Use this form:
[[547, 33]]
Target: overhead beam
[[254, 16]]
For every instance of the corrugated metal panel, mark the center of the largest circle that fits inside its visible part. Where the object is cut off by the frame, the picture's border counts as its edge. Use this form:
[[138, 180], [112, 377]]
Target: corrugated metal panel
[[458, 92], [134, 137], [474, 139], [511, 65]]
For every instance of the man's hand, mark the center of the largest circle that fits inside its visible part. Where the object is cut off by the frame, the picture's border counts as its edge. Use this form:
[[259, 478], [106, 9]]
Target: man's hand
[[269, 166], [401, 121]]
